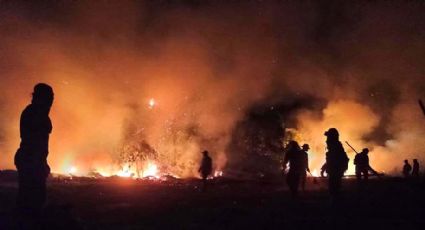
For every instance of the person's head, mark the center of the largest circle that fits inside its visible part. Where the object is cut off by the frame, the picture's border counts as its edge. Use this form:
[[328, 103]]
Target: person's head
[[205, 153], [406, 161], [415, 160], [365, 150], [293, 145], [332, 133], [42, 95], [305, 147]]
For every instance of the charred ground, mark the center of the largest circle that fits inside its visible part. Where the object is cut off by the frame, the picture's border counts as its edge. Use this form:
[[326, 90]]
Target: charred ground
[[390, 203]]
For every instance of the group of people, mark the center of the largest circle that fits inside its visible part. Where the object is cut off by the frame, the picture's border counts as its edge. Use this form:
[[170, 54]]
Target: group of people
[[335, 166], [33, 170], [408, 170], [297, 158]]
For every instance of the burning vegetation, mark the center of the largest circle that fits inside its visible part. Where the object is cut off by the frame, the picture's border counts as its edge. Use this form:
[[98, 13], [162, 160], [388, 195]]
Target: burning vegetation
[[143, 87]]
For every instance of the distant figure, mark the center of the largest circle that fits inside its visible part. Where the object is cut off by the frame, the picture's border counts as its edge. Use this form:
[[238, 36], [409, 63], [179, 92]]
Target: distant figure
[[415, 170], [323, 170], [31, 157], [205, 169], [295, 157], [406, 168], [304, 152], [361, 161], [336, 161]]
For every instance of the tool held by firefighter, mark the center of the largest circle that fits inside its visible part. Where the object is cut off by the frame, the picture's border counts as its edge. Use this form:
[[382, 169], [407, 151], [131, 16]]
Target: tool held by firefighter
[[351, 147]]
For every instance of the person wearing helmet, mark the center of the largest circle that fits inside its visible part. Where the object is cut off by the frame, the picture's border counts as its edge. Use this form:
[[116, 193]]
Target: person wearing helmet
[[361, 161], [336, 161]]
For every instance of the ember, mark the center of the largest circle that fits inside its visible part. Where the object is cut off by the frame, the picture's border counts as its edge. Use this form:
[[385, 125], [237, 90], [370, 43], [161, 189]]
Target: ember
[[152, 103]]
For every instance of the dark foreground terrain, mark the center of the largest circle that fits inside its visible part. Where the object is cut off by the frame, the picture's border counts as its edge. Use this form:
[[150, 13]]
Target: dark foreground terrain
[[389, 203]]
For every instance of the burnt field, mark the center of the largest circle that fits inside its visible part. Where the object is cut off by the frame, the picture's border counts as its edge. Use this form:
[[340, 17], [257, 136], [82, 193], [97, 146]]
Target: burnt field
[[388, 203]]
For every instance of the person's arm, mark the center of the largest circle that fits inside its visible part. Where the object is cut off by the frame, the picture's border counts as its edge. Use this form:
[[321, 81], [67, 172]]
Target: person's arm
[[306, 162]]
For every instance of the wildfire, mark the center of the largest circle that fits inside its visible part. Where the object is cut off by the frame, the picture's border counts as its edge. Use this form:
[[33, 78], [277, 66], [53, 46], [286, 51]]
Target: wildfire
[[151, 170], [125, 172], [314, 173], [218, 173], [72, 170]]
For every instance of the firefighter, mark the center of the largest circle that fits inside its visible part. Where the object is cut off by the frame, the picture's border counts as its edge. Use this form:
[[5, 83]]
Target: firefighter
[[304, 152], [406, 169], [205, 169], [31, 157], [294, 156], [415, 170], [336, 161], [361, 161]]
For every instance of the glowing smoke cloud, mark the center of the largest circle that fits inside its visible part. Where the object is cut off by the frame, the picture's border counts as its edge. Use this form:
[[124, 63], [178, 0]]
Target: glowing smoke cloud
[[204, 66]]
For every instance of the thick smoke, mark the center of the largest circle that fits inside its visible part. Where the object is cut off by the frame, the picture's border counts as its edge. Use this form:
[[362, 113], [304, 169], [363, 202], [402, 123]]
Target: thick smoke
[[207, 64]]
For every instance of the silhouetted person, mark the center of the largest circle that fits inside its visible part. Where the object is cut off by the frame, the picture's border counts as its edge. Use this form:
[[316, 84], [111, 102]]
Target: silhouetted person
[[304, 152], [205, 169], [336, 161], [323, 170], [31, 157], [295, 157], [361, 161], [406, 168], [415, 170]]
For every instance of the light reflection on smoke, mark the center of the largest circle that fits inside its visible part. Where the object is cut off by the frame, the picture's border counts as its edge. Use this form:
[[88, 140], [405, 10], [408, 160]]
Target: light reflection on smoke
[[180, 78]]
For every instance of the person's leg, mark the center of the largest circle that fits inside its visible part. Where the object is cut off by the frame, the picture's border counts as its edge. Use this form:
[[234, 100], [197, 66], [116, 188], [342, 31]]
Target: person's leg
[[204, 183], [358, 175], [291, 183], [297, 180], [303, 181], [366, 175], [39, 190], [31, 199], [334, 184], [23, 191], [331, 184]]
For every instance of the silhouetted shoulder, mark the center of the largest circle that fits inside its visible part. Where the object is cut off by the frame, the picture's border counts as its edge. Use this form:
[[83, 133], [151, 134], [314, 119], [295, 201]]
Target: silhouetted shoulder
[[34, 119]]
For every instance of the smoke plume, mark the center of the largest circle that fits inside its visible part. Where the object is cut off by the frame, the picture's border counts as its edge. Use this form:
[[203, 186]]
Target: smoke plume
[[207, 64]]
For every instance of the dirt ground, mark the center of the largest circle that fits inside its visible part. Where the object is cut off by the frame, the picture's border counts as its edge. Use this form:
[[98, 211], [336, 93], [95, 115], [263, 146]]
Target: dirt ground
[[390, 203]]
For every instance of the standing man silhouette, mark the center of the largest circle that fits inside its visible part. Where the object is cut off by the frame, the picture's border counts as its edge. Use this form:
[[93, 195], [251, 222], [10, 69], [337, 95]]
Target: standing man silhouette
[[31, 157], [295, 157], [415, 169], [304, 150], [205, 169], [406, 169], [336, 161]]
